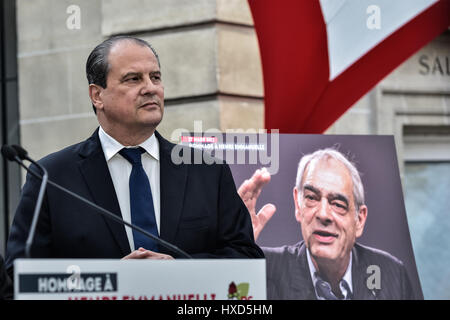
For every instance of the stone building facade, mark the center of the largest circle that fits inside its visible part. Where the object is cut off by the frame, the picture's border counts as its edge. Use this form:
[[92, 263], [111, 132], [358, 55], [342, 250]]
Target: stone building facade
[[211, 72]]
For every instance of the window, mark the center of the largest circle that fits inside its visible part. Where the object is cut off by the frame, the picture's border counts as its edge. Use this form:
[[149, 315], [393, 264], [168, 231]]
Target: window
[[427, 199]]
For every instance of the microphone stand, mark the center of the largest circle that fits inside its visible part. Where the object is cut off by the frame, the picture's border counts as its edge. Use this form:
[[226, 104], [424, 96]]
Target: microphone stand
[[102, 211], [37, 210]]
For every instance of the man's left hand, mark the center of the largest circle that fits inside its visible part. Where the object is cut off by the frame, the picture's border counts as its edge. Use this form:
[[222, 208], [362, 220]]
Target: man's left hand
[[142, 253]]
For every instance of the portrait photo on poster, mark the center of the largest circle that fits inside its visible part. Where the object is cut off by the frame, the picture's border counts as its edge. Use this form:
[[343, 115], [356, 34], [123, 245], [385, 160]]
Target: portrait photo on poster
[[308, 213]]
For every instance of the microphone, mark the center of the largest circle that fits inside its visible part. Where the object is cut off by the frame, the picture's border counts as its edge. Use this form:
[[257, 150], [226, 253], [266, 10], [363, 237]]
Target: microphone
[[17, 153], [12, 154], [9, 153], [21, 152]]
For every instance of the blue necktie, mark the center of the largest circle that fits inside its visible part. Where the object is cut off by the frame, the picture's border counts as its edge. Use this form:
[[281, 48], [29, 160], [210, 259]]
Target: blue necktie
[[323, 290], [141, 201]]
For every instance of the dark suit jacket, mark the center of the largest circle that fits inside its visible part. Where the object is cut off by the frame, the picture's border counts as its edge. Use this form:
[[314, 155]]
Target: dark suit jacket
[[288, 275], [201, 211]]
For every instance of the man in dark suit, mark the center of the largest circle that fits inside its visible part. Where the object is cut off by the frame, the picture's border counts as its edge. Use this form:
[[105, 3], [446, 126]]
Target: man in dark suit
[[295, 279], [127, 168], [328, 264]]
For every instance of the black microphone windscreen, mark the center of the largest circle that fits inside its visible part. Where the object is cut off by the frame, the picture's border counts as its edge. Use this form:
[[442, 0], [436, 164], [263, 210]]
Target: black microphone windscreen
[[9, 152], [21, 152]]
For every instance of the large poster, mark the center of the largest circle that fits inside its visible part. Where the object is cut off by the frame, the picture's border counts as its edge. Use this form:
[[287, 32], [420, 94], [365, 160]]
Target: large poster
[[384, 230]]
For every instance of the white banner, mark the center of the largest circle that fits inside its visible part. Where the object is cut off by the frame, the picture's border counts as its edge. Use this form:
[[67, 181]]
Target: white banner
[[88, 279]]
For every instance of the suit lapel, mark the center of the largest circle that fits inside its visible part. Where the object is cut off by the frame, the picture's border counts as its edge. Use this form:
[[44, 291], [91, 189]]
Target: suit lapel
[[95, 172], [173, 183], [359, 277], [301, 287]]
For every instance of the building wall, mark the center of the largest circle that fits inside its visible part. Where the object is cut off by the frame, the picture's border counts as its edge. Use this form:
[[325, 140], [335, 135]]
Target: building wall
[[416, 95], [212, 73], [208, 51], [54, 106]]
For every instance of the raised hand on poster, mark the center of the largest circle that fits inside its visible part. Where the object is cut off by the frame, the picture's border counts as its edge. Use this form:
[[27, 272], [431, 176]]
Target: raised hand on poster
[[249, 192]]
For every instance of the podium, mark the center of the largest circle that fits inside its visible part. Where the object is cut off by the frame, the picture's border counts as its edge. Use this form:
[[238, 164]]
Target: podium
[[95, 279]]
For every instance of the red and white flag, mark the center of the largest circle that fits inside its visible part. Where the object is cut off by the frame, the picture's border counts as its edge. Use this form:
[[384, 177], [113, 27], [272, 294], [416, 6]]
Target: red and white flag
[[320, 56]]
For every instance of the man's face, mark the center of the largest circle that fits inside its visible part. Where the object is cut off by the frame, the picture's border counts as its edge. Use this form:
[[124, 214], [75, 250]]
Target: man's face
[[133, 99], [326, 211]]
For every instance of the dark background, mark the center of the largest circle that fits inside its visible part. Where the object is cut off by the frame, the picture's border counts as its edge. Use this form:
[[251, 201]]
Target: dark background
[[10, 178]]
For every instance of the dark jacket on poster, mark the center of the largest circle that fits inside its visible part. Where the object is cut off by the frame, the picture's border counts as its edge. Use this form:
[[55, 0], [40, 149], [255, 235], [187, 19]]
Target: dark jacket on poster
[[288, 274]]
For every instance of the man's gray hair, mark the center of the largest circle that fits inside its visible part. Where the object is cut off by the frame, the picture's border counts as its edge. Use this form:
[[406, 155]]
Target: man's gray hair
[[358, 188]]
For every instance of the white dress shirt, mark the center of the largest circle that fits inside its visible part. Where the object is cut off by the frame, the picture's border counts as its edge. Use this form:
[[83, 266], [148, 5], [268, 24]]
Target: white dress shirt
[[347, 276], [120, 170]]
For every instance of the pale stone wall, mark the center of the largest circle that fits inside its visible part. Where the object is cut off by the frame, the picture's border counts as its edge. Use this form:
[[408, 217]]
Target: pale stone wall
[[208, 51], [211, 71], [416, 94], [55, 109]]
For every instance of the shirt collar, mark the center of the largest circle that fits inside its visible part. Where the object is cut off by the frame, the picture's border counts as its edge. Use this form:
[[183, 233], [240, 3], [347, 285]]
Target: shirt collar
[[347, 276], [111, 146]]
